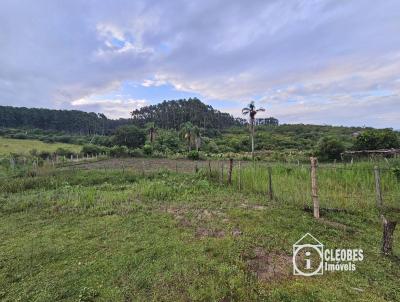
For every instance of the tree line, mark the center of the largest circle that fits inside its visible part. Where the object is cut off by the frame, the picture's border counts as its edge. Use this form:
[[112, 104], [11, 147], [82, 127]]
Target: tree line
[[172, 114], [72, 121]]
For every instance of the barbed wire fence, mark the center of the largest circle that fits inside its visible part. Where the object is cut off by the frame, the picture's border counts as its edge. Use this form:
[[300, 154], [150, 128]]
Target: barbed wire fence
[[349, 188]]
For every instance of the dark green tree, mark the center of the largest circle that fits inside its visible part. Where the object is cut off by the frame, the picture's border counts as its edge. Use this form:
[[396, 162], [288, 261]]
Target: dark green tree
[[374, 139], [129, 136], [329, 148]]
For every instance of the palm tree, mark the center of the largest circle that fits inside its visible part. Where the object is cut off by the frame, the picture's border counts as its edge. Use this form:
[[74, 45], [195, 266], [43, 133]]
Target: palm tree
[[252, 111], [151, 128], [196, 137], [187, 133]]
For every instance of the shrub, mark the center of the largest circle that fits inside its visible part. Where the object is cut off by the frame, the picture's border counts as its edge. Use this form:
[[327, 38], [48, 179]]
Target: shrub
[[377, 139], [119, 151], [45, 155], [64, 152], [91, 149], [193, 155], [148, 149], [329, 148], [136, 152]]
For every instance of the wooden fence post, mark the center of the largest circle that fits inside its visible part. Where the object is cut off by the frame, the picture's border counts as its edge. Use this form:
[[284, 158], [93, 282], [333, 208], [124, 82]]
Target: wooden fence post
[[176, 167], [270, 192], [388, 225], [209, 169], [378, 190], [388, 230], [196, 168], [314, 186], [221, 179], [240, 176], [230, 171]]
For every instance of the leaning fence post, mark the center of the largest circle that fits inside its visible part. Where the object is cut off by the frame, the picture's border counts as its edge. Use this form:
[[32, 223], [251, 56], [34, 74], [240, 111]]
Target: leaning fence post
[[378, 190], [230, 171], [314, 186], [270, 192]]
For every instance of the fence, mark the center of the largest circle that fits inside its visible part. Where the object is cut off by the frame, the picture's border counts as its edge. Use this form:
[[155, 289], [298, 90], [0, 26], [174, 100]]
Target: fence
[[352, 188], [349, 187]]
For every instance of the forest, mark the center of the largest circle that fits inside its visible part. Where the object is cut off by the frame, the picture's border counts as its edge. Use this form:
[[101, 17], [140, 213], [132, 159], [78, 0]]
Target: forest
[[190, 128]]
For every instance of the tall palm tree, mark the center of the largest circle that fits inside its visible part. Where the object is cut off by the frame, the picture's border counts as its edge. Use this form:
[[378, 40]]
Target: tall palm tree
[[196, 137], [187, 133], [252, 111]]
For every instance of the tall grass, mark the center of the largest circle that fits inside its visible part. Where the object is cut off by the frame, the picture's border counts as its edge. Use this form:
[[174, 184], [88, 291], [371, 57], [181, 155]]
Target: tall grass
[[340, 186]]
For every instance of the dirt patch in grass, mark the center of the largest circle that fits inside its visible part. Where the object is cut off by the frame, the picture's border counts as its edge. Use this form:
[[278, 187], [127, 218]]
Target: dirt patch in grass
[[269, 266]]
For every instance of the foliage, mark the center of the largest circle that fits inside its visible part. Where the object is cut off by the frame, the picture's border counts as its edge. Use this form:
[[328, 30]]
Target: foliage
[[396, 172], [167, 140], [119, 151], [329, 148], [172, 114], [92, 149], [148, 149], [193, 155], [72, 121], [374, 139], [129, 136]]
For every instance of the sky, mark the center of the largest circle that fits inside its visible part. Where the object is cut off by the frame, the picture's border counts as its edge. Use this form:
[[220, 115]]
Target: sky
[[313, 61]]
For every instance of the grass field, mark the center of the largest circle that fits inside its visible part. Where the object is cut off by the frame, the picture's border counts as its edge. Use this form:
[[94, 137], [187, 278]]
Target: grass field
[[23, 146], [118, 235]]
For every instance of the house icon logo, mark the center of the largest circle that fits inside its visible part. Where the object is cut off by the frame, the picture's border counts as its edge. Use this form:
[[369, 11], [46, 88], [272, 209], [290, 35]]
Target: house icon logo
[[308, 259]]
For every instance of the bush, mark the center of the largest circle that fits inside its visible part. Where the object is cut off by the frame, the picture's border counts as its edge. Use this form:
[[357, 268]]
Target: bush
[[119, 151], [91, 149], [193, 155], [329, 148], [377, 139], [136, 152], [45, 155], [148, 149], [64, 152]]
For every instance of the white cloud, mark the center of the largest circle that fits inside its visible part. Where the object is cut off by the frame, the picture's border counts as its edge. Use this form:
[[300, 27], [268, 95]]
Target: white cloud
[[112, 108], [292, 55]]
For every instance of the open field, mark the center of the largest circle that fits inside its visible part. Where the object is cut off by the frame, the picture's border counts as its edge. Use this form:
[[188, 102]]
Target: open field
[[119, 235], [23, 146]]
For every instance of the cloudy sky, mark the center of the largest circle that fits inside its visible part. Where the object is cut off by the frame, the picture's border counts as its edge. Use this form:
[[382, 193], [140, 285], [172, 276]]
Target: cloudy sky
[[322, 62]]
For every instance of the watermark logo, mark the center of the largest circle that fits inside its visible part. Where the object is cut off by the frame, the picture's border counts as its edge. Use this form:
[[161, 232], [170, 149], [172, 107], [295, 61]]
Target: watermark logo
[[310, 258], [308, 254]]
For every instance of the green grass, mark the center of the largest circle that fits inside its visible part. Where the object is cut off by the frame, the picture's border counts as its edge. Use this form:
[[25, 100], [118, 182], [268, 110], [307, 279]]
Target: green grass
[[342, 186], [23, 146], [121, 236]]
